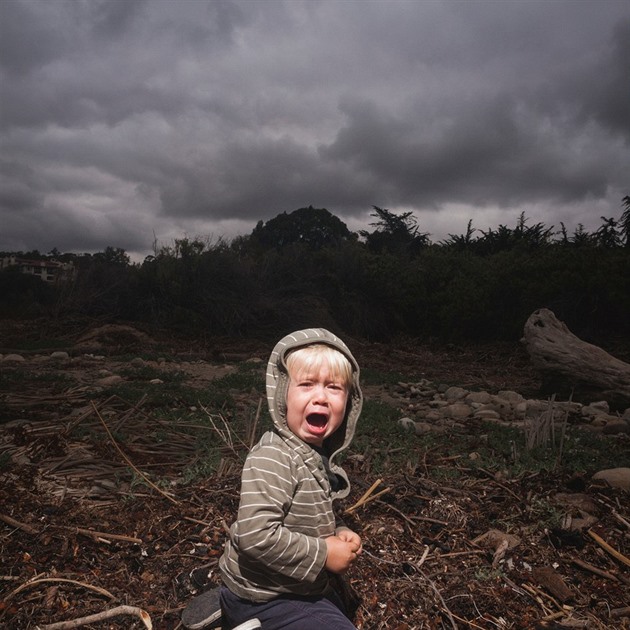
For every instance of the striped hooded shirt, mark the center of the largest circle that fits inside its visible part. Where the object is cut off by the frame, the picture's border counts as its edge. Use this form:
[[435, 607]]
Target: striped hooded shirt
[[276, 545]]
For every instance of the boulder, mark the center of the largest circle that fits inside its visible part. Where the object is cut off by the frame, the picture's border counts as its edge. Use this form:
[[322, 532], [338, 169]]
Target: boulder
[[614, 477]]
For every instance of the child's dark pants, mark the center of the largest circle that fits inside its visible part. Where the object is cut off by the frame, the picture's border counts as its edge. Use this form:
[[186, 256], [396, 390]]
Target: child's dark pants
[[286, 612]]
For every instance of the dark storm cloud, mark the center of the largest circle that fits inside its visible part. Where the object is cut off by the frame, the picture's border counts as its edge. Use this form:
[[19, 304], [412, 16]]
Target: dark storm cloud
[[121, 120]]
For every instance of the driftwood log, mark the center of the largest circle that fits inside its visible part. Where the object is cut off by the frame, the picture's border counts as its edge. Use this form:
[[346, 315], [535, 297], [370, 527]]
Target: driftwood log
[[561, 357]]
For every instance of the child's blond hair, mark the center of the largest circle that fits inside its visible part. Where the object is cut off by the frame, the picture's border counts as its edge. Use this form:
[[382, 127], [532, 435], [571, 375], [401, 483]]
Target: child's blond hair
[[310, 359]]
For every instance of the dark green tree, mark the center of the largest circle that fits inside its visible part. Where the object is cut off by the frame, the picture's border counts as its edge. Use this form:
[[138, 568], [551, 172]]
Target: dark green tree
[[394, 233], [624, 222], [314, 227], [608, 234]]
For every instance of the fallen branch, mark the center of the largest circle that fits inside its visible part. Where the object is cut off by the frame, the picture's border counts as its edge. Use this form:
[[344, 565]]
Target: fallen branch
[[128, 461], [367, 496], [555, 351], [468, 623], [36, 581], [435, 589], [106, 614], [620, 518], [95, 534], [611, 550], [589, 567], [23, 526]]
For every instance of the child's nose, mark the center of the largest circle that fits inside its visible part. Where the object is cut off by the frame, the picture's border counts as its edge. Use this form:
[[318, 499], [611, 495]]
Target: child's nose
[[320, 394]]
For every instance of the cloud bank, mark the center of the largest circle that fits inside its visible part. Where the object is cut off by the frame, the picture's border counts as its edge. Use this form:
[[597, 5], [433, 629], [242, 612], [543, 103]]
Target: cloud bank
[[124, 121]]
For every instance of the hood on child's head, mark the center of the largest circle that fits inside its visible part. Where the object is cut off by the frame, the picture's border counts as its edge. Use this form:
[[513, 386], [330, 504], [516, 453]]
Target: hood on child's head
[[278, 382]]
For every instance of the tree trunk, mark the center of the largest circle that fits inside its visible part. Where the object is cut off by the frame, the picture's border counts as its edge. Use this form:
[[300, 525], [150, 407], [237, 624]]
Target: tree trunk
[[560, 356]]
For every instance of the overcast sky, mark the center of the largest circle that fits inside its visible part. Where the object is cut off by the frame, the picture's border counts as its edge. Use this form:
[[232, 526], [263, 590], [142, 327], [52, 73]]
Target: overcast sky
[[125, 121]]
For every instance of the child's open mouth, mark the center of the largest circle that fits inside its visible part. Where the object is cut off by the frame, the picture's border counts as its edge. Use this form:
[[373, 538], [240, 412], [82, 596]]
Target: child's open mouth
[[317, 423]]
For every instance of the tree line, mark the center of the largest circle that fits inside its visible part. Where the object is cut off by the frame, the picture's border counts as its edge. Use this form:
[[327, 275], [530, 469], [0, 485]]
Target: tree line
[[305, 268]]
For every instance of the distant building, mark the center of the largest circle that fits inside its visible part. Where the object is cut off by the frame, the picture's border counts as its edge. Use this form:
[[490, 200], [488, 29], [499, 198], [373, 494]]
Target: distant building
[[50, 270]]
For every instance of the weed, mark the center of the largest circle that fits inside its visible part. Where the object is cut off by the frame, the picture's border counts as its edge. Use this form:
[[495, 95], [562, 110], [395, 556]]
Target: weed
[[546, 514], [370, 376], [5, 460], [205, 465], [250, 376], [445, 473], [382, 440], [148, 373], [487, 574], [24, 376]]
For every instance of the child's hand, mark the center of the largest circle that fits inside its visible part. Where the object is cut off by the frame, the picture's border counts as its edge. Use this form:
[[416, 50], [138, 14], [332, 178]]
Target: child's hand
[[347, 535], [343, 550]]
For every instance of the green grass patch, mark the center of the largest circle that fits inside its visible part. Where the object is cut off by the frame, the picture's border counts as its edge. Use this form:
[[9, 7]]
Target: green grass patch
[[248, 377], [42, 345], [503, 448], [380, 438], [371, 376], [148, 373], [24, 376]]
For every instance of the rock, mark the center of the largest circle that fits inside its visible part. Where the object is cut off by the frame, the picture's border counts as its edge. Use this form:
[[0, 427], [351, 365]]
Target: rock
[[494, 538], [553, 582], [453, 394], [616, 427], [458, 410], [138, 362], [487, 414], [407, 424], [536, 407], [596, 408], [501, 405], [578, 524], [432, 415], [60, 356], [483, 398], [422, 428], [576, 500], [520, 409], [512, 397], [108, 381], [13, 358], [438, 404], [615, 477]]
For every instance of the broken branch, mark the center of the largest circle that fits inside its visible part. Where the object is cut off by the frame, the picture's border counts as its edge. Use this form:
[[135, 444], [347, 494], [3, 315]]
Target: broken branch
[[36, 581], [106, 614], [589, 567], [128, 461], [367, 496], [23, 526], [611, 550], [90, 532]]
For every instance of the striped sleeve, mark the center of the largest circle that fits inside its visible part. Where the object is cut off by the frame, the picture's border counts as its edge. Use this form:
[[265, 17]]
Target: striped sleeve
[[271, 488]]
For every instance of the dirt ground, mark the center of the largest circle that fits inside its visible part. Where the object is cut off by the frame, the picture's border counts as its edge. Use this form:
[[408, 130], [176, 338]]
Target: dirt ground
[[81, 533]]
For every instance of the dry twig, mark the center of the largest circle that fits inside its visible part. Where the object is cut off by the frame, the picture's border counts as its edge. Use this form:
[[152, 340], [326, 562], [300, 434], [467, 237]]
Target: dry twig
[[39, 580], [106, 535], [106, 614], [595, 570], [23, 526], [367, 496], [129, 462], [611, 550]]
